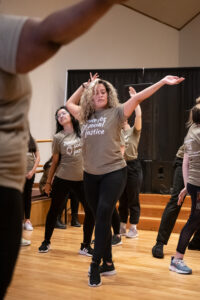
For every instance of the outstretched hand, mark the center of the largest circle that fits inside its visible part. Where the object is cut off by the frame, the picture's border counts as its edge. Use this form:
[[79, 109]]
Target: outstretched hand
[[171, 80], [132, 91], [181, 196]]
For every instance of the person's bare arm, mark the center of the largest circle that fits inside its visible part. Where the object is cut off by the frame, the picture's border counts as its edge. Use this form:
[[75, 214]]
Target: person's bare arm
[[130, 105], [55, 160], [138, 111], [40, 40]]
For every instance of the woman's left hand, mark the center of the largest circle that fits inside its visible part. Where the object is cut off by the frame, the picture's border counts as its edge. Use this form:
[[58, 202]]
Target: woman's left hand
[[29, 175], [181, 196], [171, 80]]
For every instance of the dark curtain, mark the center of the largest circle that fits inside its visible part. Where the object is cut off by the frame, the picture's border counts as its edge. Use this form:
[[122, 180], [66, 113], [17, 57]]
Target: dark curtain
[[164, 115]]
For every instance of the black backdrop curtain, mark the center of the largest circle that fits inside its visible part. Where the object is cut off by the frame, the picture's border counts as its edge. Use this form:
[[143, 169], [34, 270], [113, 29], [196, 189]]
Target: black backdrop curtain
[[164, 115]]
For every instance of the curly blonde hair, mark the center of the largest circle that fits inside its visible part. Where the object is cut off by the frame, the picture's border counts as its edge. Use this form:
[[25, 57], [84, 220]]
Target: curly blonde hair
[[194, 116], [87, 104]]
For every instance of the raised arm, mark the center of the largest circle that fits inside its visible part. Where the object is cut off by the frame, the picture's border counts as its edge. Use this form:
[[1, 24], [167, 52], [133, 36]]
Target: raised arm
[[72, 103], [130, 105], [138, 111], [40, 40]]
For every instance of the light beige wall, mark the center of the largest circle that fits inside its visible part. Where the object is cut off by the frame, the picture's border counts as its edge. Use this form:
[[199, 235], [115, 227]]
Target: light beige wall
[[190, 44], [121, 39]]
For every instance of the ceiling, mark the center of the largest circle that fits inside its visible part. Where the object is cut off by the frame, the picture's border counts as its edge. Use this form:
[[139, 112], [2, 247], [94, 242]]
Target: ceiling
[[175, 13]]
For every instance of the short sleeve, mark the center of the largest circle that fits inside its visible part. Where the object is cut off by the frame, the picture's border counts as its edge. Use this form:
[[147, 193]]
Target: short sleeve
[[120, 111], [10, 30], [55, 146]]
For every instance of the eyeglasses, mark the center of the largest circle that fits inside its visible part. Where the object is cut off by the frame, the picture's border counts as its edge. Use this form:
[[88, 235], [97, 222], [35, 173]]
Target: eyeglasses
[[61, 114]]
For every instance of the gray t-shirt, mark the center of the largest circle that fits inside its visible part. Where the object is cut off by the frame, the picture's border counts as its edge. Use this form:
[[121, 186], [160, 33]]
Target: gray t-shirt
[[69, 146], [15, 93], [132, 138], [101, 141], [192, 148]]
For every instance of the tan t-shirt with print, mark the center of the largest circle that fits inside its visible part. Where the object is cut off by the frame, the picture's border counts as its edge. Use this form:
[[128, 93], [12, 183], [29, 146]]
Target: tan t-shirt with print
[[15, 93], [132, 138], [70, 149], [101, 141], [192, 148], [180, 152]]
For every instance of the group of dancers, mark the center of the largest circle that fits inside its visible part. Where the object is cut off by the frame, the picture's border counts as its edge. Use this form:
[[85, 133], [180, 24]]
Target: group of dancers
[[27, 43], [94, 107]]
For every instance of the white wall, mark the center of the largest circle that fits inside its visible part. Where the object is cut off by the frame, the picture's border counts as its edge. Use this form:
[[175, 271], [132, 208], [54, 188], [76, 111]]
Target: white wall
[[190, 44], [121, 39]]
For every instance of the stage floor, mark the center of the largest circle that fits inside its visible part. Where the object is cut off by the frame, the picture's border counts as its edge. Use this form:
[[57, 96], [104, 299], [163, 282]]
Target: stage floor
[[62, 272]]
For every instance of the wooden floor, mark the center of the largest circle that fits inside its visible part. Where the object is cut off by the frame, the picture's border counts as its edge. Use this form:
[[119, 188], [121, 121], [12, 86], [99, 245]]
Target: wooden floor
[[62, 272]]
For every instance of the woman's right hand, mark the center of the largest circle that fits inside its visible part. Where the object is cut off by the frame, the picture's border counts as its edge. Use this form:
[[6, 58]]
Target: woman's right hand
[[47, 188], [181, 196], [132, 91]]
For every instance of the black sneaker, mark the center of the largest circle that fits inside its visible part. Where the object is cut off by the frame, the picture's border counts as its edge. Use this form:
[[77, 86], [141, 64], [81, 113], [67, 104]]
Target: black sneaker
[[94, 275], [45, 247], [116, 240], [75, 222], [60, 225], [86, 250], [157, 250], [107, 270]]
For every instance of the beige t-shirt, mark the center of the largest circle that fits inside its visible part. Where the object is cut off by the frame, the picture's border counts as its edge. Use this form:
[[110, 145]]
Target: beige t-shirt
[[101, 141], [180, 152], [70, 149], [31, 159], [132, 138], [15, 93], [192, 148]]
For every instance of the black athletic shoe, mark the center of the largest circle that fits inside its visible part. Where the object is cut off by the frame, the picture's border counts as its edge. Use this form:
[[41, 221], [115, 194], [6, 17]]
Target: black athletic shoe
[[86, 250], [194, 246], [45, 247], [157, 250], [94, 275], [116, 240], [75, 222], [106, 270], [60, 225]]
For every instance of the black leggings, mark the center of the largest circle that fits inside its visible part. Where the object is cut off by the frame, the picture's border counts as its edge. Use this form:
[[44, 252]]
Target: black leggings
[[102, 193], [10, 234], [60, 188], [27, 196], [193, 222], [129, 200]]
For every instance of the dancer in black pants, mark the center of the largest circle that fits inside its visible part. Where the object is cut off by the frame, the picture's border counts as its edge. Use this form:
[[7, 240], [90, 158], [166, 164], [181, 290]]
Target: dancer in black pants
[[104, 165], [191, 176], [67, 167], [129, 200], [171, 211]]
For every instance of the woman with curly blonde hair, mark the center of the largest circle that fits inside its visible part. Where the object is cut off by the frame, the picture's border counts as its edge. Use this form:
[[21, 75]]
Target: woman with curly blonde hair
[[104, 165], [86, 103]]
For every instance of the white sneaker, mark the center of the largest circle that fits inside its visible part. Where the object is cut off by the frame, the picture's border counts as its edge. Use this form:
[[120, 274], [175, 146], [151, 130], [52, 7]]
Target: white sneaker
[[133, 233], [122, 230], [28, 226], [25, 242]]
